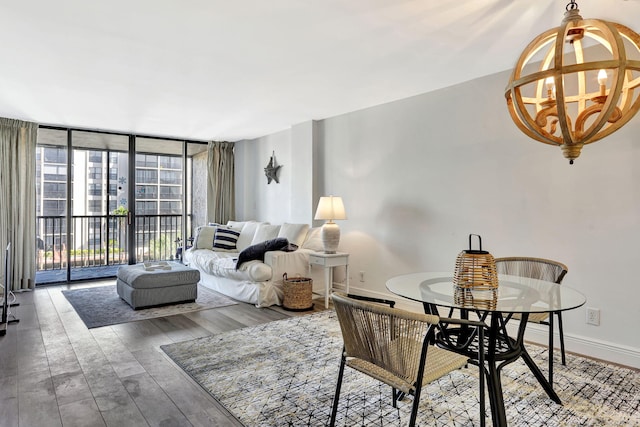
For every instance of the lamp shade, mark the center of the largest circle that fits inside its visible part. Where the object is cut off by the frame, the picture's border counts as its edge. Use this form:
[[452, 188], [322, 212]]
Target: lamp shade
[[330, 208]]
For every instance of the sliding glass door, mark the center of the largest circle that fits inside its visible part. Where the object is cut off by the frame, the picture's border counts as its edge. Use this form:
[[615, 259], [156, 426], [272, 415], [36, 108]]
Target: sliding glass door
[[97, 240], [107, 199]]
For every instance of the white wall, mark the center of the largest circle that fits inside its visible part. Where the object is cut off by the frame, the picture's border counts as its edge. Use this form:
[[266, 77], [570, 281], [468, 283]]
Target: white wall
[[418, 175], [255, 199]]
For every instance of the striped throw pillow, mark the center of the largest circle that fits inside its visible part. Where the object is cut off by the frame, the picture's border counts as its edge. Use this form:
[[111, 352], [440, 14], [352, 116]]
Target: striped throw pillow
[[225, 239]]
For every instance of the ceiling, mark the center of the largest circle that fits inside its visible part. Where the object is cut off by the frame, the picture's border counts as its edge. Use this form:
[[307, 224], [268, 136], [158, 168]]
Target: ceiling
[[231, 70]]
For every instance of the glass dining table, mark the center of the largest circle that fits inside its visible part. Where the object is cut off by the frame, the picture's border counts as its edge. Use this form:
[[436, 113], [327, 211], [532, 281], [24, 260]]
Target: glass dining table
[[514, 294]]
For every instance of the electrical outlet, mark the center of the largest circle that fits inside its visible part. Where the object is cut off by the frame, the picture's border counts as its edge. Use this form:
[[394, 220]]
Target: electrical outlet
[[593, 316], [362, 276]]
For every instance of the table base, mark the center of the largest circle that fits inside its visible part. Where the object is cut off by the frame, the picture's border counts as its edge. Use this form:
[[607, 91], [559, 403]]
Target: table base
[[500, 350]]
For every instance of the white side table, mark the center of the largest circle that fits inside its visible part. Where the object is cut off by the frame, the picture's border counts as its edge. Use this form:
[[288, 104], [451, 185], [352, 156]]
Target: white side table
[[328, 261]]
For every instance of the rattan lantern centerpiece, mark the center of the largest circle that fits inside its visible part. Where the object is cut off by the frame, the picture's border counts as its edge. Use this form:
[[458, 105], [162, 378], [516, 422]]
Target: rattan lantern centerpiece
[[475, 269], [480, 300], [577, 83]]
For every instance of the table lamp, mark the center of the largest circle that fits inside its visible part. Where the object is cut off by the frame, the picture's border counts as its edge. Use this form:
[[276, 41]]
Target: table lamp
[[330, 208]]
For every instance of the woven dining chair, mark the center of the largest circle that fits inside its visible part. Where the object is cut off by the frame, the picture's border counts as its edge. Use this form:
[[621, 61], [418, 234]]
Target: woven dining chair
[[543, 269], [395, 347]]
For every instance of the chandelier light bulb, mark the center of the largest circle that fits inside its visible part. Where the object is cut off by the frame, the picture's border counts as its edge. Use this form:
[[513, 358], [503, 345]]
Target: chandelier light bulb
[[551, 87], [550, 83], [602, 77]]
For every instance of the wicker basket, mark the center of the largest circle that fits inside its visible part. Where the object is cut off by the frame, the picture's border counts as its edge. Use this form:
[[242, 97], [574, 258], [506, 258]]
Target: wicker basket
[[475, 269], [297, 293]]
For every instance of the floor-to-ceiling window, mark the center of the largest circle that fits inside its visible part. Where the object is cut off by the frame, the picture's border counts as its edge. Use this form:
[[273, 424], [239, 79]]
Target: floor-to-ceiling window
[[159, 197], [52, 164], [107, 199]]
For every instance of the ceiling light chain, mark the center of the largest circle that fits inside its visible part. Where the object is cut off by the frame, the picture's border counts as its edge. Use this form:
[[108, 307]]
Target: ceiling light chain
[[572, 5]]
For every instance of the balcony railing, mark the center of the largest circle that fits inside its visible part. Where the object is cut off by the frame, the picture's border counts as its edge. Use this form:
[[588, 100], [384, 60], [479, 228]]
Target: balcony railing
[[102, 240]]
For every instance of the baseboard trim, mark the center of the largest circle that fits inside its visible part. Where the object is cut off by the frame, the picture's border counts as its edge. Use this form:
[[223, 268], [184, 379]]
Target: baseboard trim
[[581, 345], [589, 347]]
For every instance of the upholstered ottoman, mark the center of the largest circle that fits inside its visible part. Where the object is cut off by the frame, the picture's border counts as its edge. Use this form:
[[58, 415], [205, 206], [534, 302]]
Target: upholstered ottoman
[[171, 284]]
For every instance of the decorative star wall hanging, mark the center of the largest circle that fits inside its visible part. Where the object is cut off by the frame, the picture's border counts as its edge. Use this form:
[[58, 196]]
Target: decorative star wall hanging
[[271, 171]]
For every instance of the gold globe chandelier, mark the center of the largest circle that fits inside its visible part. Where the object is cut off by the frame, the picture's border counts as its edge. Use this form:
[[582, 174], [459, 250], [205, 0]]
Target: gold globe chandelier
[[577, 83]]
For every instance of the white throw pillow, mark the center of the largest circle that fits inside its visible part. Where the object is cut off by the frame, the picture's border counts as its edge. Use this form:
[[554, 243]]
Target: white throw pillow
[[247, 233], [295, 233], [225, 239], [265, 232], [204, 237], [236, 225], [313, 241]]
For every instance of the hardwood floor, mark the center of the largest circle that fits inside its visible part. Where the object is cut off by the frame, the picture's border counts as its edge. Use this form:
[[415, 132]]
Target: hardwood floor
[[56, 372]]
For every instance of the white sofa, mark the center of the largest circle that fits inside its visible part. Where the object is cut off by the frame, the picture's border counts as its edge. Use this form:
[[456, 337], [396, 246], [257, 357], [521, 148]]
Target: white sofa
[[255, 282]]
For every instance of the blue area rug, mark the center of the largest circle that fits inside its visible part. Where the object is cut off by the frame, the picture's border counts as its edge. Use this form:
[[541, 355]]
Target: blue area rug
[[102, 306]]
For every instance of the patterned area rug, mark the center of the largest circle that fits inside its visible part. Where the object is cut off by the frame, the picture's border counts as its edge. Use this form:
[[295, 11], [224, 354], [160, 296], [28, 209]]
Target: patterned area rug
[[283, 374], [101, 306]]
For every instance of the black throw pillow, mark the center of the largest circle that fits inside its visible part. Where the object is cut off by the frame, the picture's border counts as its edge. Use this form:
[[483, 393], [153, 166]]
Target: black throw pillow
[[257, 251]]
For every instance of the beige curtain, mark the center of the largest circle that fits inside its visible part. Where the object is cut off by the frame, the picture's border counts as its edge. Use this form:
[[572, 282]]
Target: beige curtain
[[18, 195], [221, 196]]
